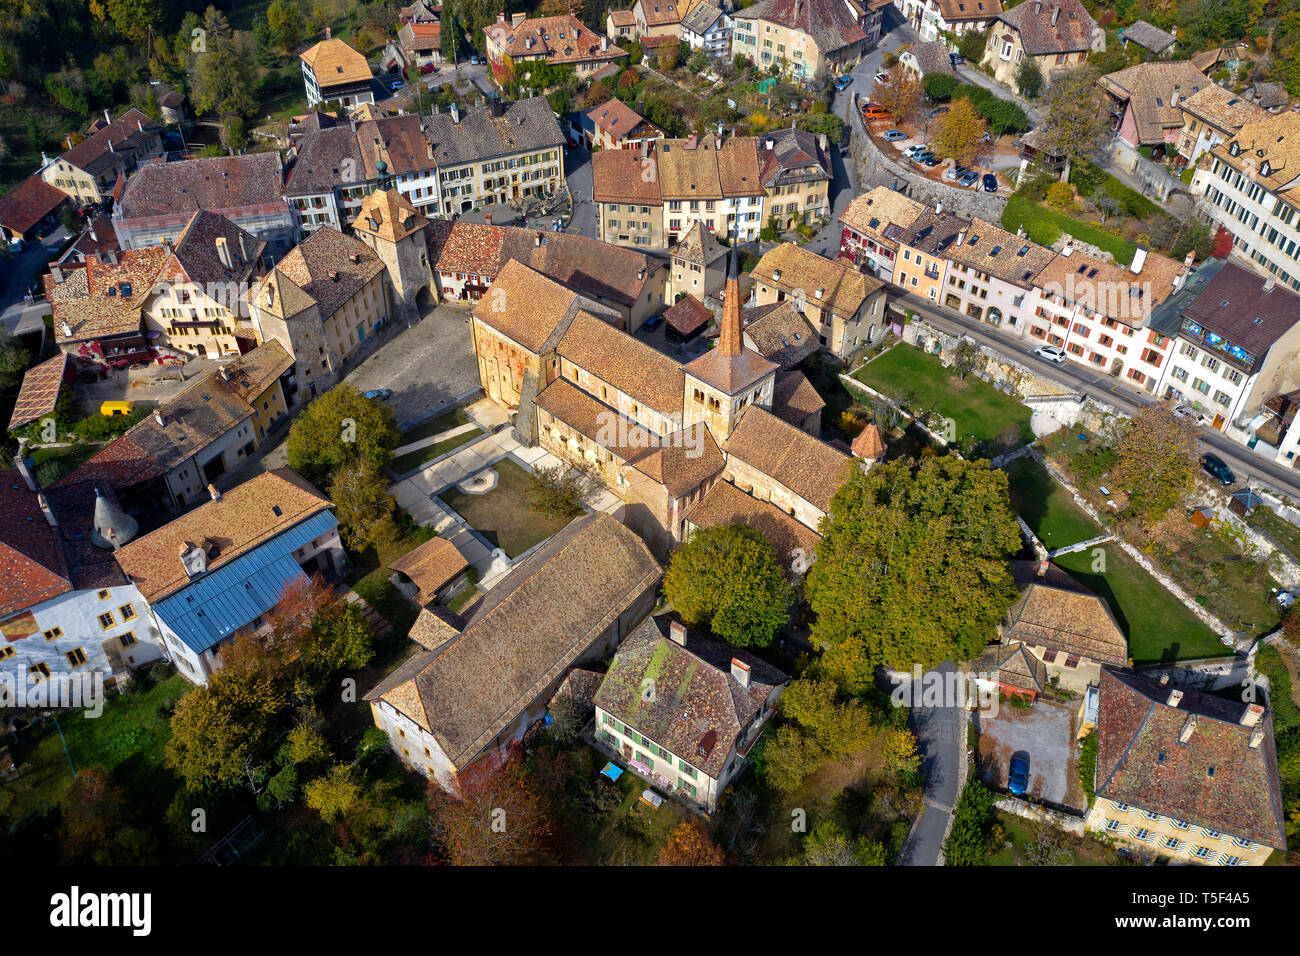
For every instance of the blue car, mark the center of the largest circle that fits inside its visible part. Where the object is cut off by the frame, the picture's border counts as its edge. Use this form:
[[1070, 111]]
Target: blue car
[[1018, 775], [377, 394], [652, 323], [844, 82]]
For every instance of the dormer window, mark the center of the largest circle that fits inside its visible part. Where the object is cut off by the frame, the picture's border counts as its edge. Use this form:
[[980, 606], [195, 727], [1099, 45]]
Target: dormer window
[[1266, 169]]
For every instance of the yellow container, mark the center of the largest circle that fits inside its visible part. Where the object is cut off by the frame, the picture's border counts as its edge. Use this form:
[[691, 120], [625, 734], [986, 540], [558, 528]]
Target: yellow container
[[116, 408]]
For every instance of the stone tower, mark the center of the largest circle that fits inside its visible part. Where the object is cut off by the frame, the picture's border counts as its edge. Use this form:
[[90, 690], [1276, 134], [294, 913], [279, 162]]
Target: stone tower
[[284, 312], [392, 227], [721, 384]]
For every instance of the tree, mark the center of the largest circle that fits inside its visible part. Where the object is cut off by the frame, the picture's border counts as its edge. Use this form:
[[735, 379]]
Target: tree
[[218, 62], [341, 428], [286, 23], [939, 86], [1029, 79], [829, 844], [818, 727], [13, 360], [900, 754], [912, 568], [340, 639], [94, 811], [306, 744], [972, 822], [557, 491], [729, 580], [1076, 121], [689, 844], [334, 794], [1060, 196], [698, 62], [1155, 462], [363, 506], [960, 134], [901, 95], [971, 45], [131, 18], [290, 618], [669, 51], [500, 818]]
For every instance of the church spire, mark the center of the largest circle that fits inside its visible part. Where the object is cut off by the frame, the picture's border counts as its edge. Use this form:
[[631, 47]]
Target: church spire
[[729, 338]]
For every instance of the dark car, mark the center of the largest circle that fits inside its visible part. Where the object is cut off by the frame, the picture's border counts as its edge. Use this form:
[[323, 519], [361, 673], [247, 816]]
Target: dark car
[[923, 157], [652, 323], [1218, 469], [930, 159], [844, 82], [939, 111], [956, 58], [1018, 774], [990, 183]]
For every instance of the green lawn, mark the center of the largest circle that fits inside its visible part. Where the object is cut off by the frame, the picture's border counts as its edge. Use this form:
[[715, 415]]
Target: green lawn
[[1044, 226], [1047, 507], [978, 409], [421, 456], [1158, 626], [1282, 531], [127, 740], [503, 516], [1019, 838], [434, 426]]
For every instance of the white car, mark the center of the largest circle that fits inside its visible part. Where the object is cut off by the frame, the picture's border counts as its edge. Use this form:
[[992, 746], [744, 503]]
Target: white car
[[1051, 353], [1185, 412], [882, 77]]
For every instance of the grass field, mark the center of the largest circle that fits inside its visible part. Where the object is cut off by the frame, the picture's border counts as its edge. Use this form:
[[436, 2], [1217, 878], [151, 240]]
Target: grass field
[[1047, 507], [503, 516], [421, 456], [1158, 626], [1044, 226], [978, 410]]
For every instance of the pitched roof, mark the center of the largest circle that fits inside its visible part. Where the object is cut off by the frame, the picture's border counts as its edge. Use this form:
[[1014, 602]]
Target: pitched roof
[[1214, 778], [529, 629], [661, 12], [641, 371], [1271, 144], [810, 468], [700, 17], [388, 214], [932, 57], [322, 158], [622, 18], [103, 299], [98, 238], [730, 374], [868, 444], [842, 288], [592, 418], [395, 143], [1109, 288], [334, 63], [792, 156], [699, 246], [559, 39], [217, 184], [1153, 91], [683, 461], [883, 214], [1074, 29], [1062, 615], [932, 231], [1012, 665], [39, 392], [1208, 59], [687, 314], [829, 23], [794, 398], [1222, 108], [196, 257], [1239, 305], [699, 711], [619, 175], [1268, 95], [992, 250], [434, 626], [33, 568], [616, 118], [431, 566], [537, 309], [1148, 37], [779, 333], [28, 203], [130, 135], [706, 167], [725, 504], [330, 268], [247, 516]]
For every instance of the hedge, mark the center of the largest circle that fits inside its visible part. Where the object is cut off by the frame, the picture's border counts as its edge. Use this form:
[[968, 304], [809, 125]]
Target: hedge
[[1003, 116]]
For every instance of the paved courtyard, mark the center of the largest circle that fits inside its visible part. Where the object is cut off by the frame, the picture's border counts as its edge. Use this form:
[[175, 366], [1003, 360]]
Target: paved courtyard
[[1047, 734], [427, 367]]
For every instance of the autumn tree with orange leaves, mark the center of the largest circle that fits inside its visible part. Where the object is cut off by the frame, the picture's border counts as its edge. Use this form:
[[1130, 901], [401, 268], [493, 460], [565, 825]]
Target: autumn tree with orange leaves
[[690, 845], [500, 818]]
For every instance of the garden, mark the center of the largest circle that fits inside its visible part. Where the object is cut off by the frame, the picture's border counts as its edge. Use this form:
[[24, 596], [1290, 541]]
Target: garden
[[504, 516]]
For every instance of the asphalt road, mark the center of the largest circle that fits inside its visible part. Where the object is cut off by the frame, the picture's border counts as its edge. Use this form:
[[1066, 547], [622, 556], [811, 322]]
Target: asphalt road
[[577, 171], [941, 736]]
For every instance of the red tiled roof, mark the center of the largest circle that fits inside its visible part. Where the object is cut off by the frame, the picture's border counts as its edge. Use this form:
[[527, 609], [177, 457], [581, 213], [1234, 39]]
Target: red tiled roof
[[28, 203]]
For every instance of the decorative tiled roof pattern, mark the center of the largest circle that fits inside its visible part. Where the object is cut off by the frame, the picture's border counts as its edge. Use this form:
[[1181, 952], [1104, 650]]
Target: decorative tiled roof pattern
[[868, 444], [559, 39], [873, 213], [1269, 150], [330, 268], [103, 299], [699, 246], [808, 467], [39, 392], [1222, 108], [388, 214]]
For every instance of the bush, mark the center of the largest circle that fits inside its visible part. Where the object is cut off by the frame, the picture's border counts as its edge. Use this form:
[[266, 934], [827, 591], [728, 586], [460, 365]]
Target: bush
[[1088, 767], [972, 825], [939, 86]]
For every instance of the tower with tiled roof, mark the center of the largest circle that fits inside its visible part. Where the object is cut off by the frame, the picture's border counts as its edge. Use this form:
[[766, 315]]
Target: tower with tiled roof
[[396, 231]]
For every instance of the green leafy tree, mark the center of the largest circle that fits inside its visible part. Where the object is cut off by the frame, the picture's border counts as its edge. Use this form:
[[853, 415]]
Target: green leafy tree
[[334, 794], [363, 506], [829, 844], [1155, 462], [912, 568], [131, 18], [284, 17], [939, 86], [340, 639], [557, 491], [972, 824], [1029, 79], [341, 428], [13, 360], [971, 45], [729, 580], [818, 726], [1075, 118]]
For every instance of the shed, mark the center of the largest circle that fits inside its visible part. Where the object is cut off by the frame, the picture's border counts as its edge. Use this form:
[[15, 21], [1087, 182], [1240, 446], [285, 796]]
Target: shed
[[1244, 503]]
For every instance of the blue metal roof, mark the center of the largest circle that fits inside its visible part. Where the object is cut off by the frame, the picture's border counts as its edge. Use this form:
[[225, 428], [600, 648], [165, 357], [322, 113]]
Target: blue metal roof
[[220, 603]]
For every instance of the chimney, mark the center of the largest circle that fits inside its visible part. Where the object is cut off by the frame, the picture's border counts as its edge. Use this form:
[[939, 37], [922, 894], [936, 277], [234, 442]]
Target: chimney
[[501, 18], [94, 236], [140, 125], [1173, 100], [1164, 680], [57, 273], [1056, 15], [243, 250], [224, 372], [67, 329], [537, 239], [28, 478], [677, 632], [194, 559], [938, 208], [329, 33], [112, 526], [1189, 726], [1175, 698], [1269, 283], [1256, 738], [158, 417], [108, 119], [1252, 715], [455, 113], [45, 509], [212, 490], [1042, 568], [518, 18], [961, 235], [223, 252], [110, 147], [739, 669]]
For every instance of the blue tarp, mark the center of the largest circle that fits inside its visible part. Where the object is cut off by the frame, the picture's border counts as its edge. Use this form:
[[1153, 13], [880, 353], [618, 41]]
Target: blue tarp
[[612, 771]]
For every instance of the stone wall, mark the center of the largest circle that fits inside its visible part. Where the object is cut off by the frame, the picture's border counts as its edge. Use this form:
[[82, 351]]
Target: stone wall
[[872, 165]]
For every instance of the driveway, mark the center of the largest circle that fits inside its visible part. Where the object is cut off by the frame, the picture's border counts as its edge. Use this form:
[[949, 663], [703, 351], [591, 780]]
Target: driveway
[[577, 170], [427, 367], [941, 736], [1046, 732]]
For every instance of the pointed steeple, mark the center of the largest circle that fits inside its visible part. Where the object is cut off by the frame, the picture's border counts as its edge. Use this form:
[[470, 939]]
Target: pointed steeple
[[730, 341], [113, 527]]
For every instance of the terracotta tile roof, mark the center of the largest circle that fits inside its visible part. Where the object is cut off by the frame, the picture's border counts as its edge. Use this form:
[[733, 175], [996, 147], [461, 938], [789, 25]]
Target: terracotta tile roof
[[431, 566], [73, 501], [1110, 288], [661, 12], [700, 712], [619, 175], [131, 135], [685, 460], [435, 626], [868, 444], [588, 416], [39, 392], [725, 504], [1272, 143], [388, 214], [992, 250], [93, 302], [468, 247], [1012, 665], [330, 268], [699, 246], [932, 57], [334, 63], [622, 18], [1214, 778], [420, 36], [874, 213], [28, 203], [731, 374], [98, 238], [559, 39], [779, 333], [829, 23], [687, 314], [33, 568], [200, 414], [1236, 305], [1222, 108], [843, 289], [810, 468], [278, 295], [254, 372], [1153, 92], [245, 517], [523, 126], [1207, 60], [794, 398], [626, 363], [121, 465], [616, 118], [698, 169], [196, 256], [537, 309], [216, 184], [1073, 31], [1148, 37], [1064, 616], [959, 10], [536, 623], [396, 141]]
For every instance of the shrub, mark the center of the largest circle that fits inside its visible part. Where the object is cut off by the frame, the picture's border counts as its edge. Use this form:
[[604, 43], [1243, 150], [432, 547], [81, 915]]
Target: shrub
[[939, 86], [972, 825], [1088, 767], [1060, 196]]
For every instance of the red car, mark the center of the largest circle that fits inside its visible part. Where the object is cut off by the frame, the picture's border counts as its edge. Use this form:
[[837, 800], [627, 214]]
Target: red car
[[429, 68]]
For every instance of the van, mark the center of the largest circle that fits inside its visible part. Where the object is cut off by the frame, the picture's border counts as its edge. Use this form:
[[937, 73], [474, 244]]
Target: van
[[116, 408], [873, 111]]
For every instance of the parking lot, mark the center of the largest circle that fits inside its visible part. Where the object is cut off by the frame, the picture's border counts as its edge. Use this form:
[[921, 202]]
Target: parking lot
[[1047, 734]]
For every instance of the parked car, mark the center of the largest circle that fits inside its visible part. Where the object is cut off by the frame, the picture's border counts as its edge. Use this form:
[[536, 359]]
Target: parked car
[[1218, 469], [428, 68], [652, 323], [990, 183], [1018, 774], [913, 150], [969, 180], [882, 77], [930, 160], [872, 111], [844, 82], [955, 172], [396, 85], [938, 111], [474, 61], [1185, 412], [1051, 353], [377, 394], [956, 58], [894, 135], [924, 157]]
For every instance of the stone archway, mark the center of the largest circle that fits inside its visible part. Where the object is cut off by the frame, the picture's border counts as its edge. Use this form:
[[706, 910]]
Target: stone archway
[[424, 300]]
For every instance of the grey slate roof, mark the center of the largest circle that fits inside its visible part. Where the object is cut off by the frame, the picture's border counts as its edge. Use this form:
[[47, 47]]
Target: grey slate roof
[[523, 125]]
